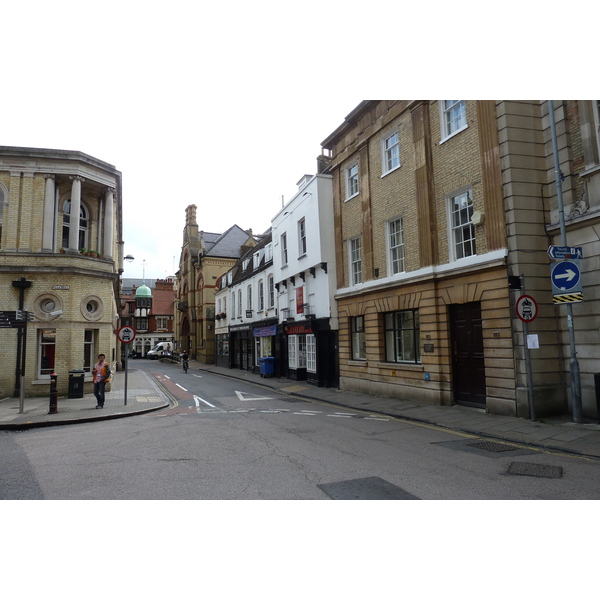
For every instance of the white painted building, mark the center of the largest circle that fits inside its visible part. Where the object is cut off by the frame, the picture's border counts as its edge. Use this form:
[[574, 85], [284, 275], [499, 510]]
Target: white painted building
[[304, 271], [245, 310]]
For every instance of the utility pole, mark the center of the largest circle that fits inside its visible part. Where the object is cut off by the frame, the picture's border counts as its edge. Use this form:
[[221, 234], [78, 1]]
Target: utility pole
[[574, 364]]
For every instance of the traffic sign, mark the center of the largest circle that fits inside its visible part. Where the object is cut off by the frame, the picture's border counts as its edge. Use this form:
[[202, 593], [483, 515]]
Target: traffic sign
[[562, 252], [126, 334], [566, 277], [527, 308]]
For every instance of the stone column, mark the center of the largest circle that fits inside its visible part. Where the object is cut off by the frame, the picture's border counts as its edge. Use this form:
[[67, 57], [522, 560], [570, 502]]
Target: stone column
[[74, 215], [109, 217], [48, 225]]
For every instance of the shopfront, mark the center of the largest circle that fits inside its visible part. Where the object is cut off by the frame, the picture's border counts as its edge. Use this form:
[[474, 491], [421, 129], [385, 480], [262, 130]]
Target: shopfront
[[264, 343], [241, 347]]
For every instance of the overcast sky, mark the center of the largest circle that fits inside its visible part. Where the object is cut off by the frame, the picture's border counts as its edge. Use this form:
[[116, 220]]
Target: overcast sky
[[219, 106]]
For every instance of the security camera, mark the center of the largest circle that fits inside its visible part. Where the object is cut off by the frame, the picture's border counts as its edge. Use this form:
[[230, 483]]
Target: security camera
[[54, 313]]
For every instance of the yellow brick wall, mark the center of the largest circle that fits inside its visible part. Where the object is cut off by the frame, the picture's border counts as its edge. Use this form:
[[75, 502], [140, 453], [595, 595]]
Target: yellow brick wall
[[457, 165]]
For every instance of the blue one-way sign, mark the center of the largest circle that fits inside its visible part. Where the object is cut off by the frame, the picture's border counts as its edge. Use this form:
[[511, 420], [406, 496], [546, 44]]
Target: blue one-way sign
[[562, 252], [566, 277]]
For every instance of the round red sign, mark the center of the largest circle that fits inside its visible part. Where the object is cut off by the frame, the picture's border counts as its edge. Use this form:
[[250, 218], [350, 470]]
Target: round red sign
[[527, 308]]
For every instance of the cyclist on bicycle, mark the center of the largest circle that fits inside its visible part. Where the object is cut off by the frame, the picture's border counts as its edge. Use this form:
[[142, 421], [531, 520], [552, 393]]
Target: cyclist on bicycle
[[185, 361]]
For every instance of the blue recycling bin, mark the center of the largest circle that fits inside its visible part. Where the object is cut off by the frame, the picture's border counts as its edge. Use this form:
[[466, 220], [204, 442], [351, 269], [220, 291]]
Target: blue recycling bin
[[267, 366]]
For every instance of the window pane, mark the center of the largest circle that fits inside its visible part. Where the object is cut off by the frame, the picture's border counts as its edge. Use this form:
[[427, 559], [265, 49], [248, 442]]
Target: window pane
[[47, 351], [402, 337]]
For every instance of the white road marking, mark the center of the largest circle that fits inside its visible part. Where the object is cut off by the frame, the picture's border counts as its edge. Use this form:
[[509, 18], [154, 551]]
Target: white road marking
[[180, 386], [305, 414], [375, 419], [197, 399], [241, 396], [194, 374], [340, 416]]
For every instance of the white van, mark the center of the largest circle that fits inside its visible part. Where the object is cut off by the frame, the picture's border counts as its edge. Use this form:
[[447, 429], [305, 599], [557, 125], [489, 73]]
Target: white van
[[158, 350]]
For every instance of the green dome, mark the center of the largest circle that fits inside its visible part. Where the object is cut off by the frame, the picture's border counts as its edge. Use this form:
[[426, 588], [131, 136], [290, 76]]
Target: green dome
[[143, 291]]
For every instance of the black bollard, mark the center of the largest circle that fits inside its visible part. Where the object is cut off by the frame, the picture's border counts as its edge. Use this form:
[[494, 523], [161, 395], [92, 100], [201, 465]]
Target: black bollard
[[53, 395]]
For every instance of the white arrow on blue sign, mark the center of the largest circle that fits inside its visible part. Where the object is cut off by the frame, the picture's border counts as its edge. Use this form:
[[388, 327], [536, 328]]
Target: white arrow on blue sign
[[562, 252], [566, 277]]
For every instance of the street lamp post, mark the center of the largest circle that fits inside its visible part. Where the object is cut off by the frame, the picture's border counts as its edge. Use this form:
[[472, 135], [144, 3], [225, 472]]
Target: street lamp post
[[21, 284], [129, 259]]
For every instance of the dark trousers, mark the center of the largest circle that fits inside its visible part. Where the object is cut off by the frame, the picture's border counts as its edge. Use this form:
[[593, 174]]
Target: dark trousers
[[99, 391]]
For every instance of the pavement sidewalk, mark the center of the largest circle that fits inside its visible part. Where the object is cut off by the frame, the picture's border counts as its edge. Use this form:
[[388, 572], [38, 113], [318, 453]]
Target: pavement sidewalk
[[144, 395]]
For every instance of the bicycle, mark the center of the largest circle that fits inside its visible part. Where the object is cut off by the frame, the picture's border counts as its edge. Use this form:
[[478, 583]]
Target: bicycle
[[186, 365]]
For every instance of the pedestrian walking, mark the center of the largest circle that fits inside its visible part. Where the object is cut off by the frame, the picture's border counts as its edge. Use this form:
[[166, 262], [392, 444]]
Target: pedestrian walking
[[100, 374]]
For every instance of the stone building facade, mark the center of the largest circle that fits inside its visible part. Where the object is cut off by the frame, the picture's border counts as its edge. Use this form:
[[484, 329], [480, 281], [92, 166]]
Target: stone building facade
[[437, 204], [204, 258], [66, 277]]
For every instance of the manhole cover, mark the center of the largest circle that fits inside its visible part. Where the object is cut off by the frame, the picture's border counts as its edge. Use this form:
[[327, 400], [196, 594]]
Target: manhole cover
[[493, 446], [535, 470]]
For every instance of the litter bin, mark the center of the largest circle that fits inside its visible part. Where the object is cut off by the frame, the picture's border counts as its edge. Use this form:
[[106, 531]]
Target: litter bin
[[76, 379], [267, 366]]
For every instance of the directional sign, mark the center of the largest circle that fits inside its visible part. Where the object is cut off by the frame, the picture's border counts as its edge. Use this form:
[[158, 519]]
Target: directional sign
[[562, 252], [566, 277], [126, 334], [526, 308]]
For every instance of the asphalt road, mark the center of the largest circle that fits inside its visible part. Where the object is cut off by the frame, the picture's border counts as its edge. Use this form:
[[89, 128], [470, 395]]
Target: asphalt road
[[225, 439]]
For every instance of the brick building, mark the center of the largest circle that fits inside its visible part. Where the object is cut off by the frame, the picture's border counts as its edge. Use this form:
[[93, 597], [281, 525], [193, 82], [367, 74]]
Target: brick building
[[65, 276], [148, 306]]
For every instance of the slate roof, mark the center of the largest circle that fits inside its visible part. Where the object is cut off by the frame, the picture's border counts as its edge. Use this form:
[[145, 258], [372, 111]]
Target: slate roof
[[225, 245]]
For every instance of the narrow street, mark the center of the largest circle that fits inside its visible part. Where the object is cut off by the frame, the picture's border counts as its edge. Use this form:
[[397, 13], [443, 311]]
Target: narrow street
[[226, 439]]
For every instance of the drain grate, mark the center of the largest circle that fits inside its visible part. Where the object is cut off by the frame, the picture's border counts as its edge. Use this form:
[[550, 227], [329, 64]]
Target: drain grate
[[493, 446], [292, 399], [534, 470]]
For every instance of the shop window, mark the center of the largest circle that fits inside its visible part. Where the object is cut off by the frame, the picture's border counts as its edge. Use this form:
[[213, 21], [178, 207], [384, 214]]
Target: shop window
[[297, 351], [311, 353]]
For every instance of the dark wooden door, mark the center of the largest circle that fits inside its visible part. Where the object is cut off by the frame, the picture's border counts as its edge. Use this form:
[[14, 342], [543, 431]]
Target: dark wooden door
[[468, 369]]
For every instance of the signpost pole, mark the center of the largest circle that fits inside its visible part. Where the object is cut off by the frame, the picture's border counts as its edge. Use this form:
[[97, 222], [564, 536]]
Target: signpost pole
[[528, 368], [574, 364], [126, 353], [126, 335]]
